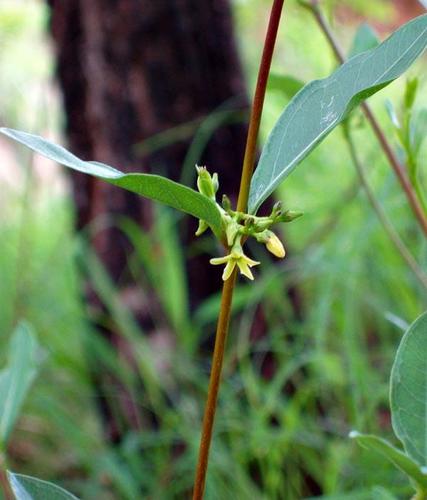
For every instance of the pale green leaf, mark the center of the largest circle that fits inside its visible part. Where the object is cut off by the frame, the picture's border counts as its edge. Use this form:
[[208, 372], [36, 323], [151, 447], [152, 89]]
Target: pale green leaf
[[323, 104], [408, 392], [365, 39], [286, 84], [31, 488], [16, 378], [380, 493], [150, 186], [397, 457]]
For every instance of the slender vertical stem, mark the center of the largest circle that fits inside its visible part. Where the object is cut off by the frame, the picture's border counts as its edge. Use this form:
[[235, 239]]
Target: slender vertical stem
[[258, 103], [387, 225], [399, 170], [215, 379], [228, 287]]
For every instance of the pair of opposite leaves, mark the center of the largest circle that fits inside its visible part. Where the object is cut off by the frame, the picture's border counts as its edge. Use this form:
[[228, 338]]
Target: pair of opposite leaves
[[310, 116]]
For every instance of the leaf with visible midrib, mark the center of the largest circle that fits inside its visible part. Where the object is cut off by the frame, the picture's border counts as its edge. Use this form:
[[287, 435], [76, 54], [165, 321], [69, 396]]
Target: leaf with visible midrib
[[31, 488], [321, 105], [408, 392], [150, 186]]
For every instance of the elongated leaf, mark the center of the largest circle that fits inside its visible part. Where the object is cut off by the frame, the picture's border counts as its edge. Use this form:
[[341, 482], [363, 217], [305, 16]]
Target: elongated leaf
[[31, 488], [408, 392], [150, 186], [16, 378], [365, 39], [286, 84], [397, 457], [321, 105]]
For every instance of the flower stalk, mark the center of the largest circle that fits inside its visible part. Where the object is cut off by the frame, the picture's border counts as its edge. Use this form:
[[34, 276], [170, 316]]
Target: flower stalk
[[398, 168], [228, 287]]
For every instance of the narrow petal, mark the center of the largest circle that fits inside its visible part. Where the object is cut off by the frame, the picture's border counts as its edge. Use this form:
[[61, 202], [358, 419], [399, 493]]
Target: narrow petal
[[244, 269], [220, 260], [228, 269], [251, 262]]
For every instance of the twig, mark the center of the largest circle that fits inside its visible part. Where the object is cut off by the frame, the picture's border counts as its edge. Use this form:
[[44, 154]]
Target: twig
[[397, 167], [228, 287], [387, 225], [258, 102]]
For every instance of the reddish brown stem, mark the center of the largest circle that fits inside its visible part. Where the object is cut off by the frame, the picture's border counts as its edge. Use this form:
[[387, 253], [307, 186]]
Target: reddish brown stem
[[228, 288], [258, 103], [4, 482], [397, 167], [215, 379]]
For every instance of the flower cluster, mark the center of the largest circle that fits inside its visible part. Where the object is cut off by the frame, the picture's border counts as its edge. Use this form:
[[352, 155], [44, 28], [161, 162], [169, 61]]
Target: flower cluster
[[239, 226]]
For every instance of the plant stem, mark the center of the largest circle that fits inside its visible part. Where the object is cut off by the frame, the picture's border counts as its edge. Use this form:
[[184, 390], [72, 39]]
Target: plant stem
[[215, 378], [382, 216], [258, 103], [228, 287], [399, 170]]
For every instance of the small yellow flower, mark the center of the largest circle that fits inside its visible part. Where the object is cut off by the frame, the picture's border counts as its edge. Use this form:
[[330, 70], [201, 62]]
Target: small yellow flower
[[234, 258]]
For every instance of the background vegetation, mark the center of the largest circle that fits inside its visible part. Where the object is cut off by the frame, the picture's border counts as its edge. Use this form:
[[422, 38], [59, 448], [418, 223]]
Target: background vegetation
[[335, 309]]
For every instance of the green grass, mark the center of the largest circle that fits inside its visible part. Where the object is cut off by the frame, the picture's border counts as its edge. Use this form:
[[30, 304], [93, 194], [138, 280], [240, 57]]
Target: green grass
[[289, 399]]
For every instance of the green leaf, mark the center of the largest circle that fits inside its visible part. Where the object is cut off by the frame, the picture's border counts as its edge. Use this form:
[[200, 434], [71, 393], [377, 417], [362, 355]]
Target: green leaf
[[31, 488], [418, 129], [365, 39], [323, 104], [411, 92], [150, 186], [408, 391], [397, 457], [16, 378], [286, 84]]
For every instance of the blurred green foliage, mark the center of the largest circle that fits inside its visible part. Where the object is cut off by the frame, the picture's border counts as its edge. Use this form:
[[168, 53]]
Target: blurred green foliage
[[26, 63], [335, 310]]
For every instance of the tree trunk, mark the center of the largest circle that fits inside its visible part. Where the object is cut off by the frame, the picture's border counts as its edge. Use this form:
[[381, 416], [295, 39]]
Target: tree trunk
[[130, 69]]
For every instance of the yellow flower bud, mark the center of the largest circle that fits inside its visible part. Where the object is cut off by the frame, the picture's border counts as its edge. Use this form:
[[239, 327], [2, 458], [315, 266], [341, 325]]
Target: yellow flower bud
[[274, 245]]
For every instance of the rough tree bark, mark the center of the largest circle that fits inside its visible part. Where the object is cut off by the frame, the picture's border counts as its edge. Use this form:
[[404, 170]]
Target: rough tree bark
[[133, 68]]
